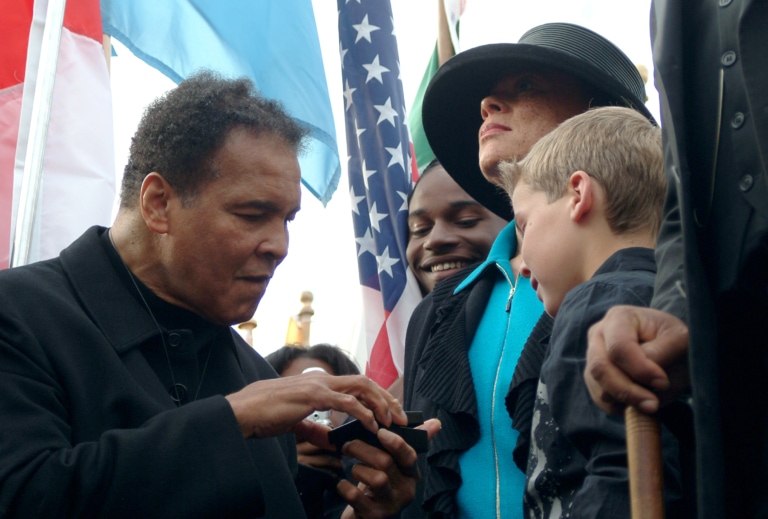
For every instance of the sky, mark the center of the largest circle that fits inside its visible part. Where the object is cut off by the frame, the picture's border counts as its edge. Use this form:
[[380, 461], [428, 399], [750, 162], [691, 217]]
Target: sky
[[322, 256]]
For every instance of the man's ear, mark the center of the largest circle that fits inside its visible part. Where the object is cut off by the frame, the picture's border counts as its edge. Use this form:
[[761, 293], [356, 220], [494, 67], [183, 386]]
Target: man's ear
[[581, 189], [156, 195]]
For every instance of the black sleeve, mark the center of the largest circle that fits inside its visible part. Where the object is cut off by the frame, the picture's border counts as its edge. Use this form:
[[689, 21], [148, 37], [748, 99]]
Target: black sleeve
[[190, 461], [670, 290], [598, 437]]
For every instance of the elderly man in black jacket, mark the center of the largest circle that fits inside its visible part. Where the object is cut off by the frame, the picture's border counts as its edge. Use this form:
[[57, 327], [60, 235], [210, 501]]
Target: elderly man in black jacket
[[707, 337], [123, 390]]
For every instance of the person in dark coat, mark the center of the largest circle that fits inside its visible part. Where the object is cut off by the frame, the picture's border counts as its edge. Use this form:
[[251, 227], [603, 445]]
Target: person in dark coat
[[319, 469], [124, 390], [705, 342], [463, 342], [588, 199]]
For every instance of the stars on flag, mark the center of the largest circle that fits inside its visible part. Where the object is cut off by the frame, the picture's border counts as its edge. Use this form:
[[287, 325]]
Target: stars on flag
[[376, 136], [367, 173], [348, 94], [376, 217], [397, 156], [375, 70], [379, 170], [386, 112], [364, 30], [385, 262], [404, 197], [342, 53], [367, 244], [355, 200]]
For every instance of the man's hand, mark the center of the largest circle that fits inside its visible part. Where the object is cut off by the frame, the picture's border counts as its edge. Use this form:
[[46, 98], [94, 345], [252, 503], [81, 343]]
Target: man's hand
[[276, 406], [387, 478], [635, 356]]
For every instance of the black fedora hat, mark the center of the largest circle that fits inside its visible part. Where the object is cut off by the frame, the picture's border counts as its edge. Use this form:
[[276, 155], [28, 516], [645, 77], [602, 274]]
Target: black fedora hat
[[451, 107]]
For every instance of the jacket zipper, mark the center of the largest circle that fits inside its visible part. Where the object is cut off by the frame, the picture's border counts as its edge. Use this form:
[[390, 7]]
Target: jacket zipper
[[512, 288]]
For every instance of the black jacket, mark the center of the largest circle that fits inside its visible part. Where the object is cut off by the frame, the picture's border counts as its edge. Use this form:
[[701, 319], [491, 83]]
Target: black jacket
[[577, 464], [712, 74], [436, 344], [88, 429]]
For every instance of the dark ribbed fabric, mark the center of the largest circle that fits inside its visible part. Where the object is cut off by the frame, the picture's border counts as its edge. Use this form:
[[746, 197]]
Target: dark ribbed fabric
[[445, 382], [522, 391]]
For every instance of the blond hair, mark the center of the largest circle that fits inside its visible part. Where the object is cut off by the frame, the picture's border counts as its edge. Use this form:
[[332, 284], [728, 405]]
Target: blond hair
[[618, 147]]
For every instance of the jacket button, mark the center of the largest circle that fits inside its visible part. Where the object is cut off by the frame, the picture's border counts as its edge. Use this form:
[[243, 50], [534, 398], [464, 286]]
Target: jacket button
[[178, 393], [728, 59], [745, 184], [737, 121], [174, 340], [724, 3]]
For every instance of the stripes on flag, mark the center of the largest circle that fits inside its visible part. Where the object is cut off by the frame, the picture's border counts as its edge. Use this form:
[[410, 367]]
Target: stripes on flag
[[78, 184], [379, 178]]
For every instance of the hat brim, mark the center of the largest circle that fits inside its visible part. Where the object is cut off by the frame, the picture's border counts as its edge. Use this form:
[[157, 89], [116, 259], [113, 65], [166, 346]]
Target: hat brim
[[451, 106]]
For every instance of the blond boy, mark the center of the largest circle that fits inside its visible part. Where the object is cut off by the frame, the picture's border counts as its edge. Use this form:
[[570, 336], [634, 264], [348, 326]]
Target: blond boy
[[588, 202]]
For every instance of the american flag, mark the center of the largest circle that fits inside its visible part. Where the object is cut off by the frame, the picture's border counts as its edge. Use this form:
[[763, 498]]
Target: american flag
[[379, 178]]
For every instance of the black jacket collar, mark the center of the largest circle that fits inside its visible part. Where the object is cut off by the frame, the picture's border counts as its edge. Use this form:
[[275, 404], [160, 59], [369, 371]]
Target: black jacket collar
[[124, 321]]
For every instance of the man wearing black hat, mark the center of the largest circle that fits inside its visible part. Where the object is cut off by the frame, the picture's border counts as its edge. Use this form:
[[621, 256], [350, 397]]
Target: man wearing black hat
[[485, 105]]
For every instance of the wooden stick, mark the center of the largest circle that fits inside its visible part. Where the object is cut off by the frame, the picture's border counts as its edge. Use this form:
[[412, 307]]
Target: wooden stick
[[646, 476]]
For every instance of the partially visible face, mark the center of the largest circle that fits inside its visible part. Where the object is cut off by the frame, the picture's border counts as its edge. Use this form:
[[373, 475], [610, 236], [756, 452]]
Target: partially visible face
[[297, 366], [547, 246], [520, 110], [222, 249], [448, 229]]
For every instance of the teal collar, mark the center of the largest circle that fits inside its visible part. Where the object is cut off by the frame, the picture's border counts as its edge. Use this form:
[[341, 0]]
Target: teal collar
[[503, 249]]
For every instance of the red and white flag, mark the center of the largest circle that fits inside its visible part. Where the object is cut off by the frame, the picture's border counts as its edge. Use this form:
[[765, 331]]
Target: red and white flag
[[78, 184]]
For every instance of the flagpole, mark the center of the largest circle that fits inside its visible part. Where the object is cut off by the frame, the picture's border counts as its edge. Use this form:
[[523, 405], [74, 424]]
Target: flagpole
[[38, 132]]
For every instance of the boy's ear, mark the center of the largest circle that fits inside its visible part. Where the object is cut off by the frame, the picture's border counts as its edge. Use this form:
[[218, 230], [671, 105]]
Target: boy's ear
[[156, 195], [581, 189]]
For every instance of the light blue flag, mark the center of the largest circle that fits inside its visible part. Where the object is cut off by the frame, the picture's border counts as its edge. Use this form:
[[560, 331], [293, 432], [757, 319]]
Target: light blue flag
[[273, 42]]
